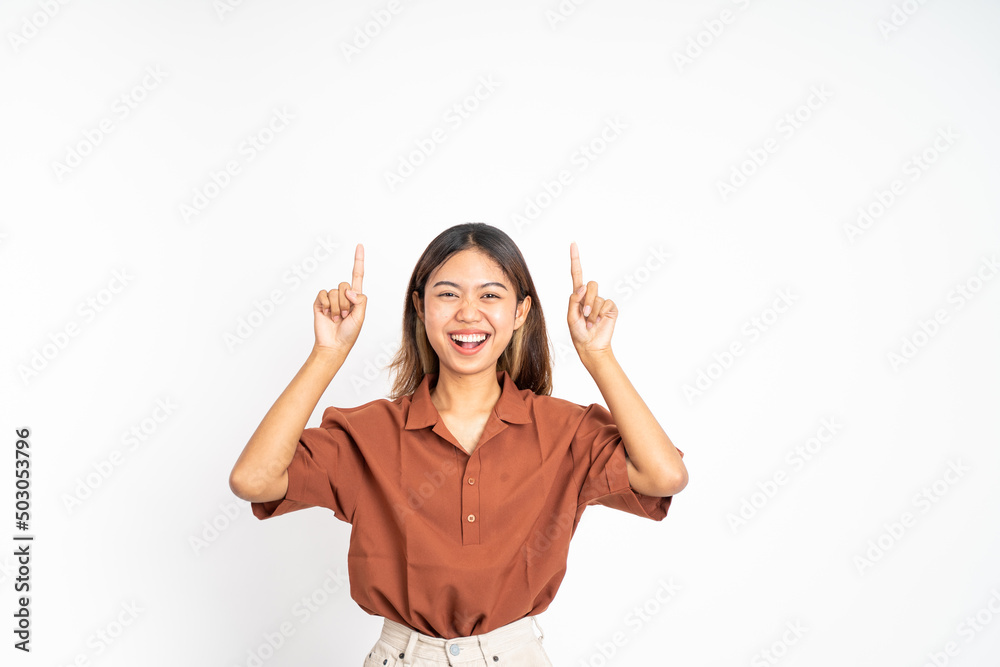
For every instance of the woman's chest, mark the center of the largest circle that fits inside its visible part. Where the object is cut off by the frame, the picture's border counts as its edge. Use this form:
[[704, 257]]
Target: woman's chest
[[501, 494], [467, 430]]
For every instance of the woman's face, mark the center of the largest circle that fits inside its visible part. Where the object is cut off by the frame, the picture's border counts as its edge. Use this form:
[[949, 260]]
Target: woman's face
[[469, 294]]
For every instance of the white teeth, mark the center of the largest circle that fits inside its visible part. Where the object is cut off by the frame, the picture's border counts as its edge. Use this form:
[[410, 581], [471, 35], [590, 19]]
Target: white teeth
[[469, 338]]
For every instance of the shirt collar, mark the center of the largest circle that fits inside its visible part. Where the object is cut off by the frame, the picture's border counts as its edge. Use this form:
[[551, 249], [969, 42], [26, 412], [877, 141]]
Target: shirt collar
[[510, 407]]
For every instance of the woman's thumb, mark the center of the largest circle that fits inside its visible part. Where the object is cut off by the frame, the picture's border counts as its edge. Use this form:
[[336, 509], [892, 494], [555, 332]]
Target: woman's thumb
[[359, 300]]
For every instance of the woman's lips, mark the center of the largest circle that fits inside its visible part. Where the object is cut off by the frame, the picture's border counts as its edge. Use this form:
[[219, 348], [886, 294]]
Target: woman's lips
[[469, 350]]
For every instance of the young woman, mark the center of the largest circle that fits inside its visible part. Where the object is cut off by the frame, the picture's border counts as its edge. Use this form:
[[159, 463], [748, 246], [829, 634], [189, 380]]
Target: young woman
[[464, 488]]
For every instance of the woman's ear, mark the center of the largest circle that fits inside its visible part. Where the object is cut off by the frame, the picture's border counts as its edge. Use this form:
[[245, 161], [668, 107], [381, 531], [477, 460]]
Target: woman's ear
[[521, 314], [417, 305]]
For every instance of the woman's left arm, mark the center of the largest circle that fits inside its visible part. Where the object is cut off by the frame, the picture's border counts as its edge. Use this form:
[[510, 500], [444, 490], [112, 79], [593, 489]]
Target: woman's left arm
[[654, 465]]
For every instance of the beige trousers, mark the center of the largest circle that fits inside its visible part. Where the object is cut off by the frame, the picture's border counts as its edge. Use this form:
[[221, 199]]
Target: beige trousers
[[513, 645]]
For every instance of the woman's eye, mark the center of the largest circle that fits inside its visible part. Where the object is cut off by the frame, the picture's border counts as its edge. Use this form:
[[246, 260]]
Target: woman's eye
[[453, 294]]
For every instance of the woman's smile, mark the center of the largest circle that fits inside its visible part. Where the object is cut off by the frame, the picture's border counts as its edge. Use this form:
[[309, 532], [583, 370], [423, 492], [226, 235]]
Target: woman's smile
[[470, 310], [468, 343]]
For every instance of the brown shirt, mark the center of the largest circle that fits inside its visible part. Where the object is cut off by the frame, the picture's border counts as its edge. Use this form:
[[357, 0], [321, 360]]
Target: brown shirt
[[454, 544]]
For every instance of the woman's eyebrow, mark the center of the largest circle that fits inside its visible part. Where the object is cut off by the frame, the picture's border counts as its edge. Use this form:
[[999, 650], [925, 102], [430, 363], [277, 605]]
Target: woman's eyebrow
[[455, 285]]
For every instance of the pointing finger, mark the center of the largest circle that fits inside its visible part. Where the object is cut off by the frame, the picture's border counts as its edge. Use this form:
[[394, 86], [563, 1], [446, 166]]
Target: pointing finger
[[359, 269], [574, 266]]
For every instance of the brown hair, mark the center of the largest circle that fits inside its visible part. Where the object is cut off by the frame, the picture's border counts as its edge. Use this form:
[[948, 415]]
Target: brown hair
[[526, 358]]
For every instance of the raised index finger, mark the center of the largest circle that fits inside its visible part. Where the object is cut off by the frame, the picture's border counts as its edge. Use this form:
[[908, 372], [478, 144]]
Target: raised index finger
[[574, 266], [359, 269]]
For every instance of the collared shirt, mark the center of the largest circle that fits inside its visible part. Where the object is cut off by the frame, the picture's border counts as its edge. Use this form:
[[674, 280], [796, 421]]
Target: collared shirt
[[454, 544]]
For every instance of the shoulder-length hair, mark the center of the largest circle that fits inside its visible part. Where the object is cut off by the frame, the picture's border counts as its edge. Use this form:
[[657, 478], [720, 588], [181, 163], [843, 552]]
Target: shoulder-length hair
[[526, 358]]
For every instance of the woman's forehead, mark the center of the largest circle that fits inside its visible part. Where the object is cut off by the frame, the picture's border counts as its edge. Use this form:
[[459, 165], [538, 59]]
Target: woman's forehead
[[469, 266]]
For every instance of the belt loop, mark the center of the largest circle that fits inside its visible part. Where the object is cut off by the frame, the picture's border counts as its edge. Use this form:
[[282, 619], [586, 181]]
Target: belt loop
[[535, 619], [408, 651], [484, 648]]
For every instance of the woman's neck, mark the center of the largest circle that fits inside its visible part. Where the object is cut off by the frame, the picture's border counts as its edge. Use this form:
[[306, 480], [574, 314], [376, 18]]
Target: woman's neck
[[465, 394]]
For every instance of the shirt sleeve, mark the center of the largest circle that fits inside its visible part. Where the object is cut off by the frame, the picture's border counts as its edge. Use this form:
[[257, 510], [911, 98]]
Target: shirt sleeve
[[327, 470], [598, 442]]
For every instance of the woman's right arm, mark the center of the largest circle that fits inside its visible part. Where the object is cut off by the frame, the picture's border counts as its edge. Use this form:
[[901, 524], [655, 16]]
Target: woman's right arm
[[261, 471]]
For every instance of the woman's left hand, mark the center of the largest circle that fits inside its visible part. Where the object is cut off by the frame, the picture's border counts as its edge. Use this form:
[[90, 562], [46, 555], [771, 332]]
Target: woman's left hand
[[591, 319]]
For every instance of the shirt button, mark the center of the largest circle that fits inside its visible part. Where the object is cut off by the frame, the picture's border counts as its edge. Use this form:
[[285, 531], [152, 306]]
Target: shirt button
[[472, 517], [472, 481]]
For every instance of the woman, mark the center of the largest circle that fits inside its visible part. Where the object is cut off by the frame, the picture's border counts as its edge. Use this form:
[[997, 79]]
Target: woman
[[464, 488]]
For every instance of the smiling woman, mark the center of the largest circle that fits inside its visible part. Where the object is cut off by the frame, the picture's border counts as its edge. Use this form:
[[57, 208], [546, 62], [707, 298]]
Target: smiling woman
[[458, 286], [465, 486]]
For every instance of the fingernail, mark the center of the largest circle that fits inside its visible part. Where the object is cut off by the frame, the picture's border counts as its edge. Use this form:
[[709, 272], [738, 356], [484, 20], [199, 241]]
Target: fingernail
[[343, 314], [586, 311]]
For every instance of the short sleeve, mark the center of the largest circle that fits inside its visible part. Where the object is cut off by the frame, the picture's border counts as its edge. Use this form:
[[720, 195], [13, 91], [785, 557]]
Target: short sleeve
[[327, 470], [597, 445]]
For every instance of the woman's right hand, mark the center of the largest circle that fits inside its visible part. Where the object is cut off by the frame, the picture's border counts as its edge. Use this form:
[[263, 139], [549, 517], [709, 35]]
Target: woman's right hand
[[337, 315]]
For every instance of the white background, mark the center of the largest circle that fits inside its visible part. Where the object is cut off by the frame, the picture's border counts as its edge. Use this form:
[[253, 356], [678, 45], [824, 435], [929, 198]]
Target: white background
[[160, 533]]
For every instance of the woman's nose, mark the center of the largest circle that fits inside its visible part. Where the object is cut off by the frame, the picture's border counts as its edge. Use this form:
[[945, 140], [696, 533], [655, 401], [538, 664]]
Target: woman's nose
[[468, 310]]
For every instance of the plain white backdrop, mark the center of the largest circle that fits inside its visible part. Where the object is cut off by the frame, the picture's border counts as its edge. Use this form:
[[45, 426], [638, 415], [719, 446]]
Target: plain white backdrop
[[812, 185]]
